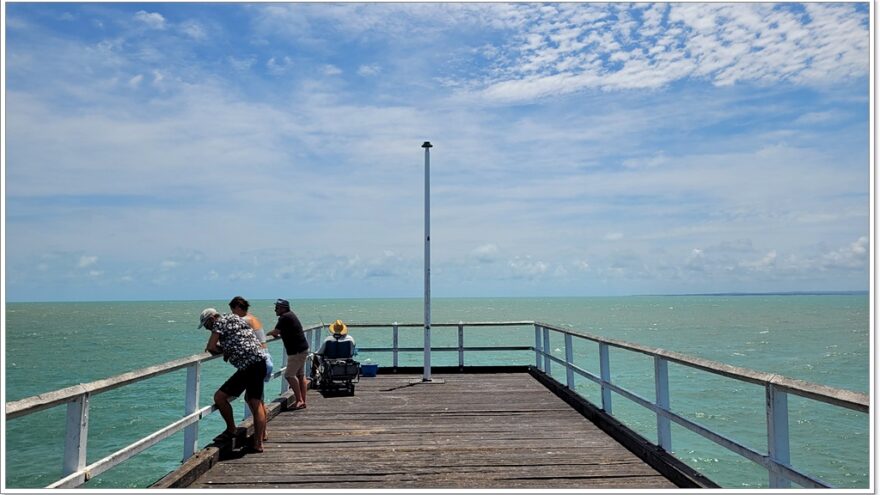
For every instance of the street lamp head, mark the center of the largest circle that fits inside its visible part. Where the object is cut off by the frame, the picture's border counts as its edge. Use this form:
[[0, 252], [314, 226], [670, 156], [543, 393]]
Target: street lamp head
[[427, 144]]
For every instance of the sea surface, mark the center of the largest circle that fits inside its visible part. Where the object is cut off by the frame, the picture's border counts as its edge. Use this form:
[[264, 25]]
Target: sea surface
[[823, 339]]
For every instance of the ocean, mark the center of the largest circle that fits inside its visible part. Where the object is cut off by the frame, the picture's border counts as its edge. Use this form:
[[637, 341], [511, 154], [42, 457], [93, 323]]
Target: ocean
[[819, 338]]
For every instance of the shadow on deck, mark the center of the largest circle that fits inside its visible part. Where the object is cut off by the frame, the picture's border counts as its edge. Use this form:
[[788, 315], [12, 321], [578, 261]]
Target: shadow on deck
[[488, 430]]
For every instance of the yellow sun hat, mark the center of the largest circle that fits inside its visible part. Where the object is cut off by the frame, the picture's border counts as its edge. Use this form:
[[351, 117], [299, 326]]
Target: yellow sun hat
[[338, 327]]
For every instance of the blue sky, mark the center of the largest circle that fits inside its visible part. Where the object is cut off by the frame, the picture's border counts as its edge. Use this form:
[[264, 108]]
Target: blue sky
[[196, 151]]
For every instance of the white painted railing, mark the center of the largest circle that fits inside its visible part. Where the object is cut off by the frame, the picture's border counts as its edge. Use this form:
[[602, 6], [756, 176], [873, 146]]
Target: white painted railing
[[777, 388], [74, 469], [460, 348]]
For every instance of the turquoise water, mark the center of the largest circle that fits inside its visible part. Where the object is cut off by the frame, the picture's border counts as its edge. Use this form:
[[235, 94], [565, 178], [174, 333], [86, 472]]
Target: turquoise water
[[822, 339]]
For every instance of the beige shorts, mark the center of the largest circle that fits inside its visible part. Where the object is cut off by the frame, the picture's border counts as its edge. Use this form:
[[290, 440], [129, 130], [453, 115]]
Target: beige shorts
[[296, 365]]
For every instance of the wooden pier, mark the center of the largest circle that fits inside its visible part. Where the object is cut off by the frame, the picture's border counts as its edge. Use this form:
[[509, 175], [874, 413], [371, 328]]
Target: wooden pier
[[486, 430]]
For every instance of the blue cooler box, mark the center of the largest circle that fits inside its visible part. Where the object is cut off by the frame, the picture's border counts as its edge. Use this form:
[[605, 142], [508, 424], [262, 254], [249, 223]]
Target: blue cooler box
[[369, 369]]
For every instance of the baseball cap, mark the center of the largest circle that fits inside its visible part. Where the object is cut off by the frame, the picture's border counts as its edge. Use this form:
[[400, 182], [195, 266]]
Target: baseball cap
[[206, 313]]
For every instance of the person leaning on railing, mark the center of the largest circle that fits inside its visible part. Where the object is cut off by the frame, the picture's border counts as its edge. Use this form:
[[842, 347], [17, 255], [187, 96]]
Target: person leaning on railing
[[297, 348], [231, 336], [239, 306]]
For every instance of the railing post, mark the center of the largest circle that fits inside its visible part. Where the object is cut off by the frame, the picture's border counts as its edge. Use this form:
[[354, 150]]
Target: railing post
[[777, 433], [317, 336], [316, 344], [461, 344], [285, 386], [539, 348], [394, 344], [191, 405], [77, 434], [661, 391], [308, 366], [605, 372], [546, 350], [247, 409], [569, 360]]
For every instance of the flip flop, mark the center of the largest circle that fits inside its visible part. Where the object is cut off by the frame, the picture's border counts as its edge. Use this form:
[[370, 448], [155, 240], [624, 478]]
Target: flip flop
[[250, 449]]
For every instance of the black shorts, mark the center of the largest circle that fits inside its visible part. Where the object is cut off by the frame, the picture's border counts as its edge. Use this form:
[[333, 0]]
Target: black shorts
[[249, 379]]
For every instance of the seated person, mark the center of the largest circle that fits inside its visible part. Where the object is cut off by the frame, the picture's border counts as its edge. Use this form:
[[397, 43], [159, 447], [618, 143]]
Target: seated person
[[338, 333]]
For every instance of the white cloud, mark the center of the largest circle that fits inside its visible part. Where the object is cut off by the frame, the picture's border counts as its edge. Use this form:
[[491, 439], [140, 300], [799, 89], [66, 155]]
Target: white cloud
[[655, 160], [278, 66], [331, 70], [613, 236], [526, 267], [168, 265], [581, 265], [194, 30], [854, 256], [369, 70], [812, 118], [577, 47], [487, 253], [153, 20], [86, 261], [241, 276], [135, 81], [765, 263], [241, 64]]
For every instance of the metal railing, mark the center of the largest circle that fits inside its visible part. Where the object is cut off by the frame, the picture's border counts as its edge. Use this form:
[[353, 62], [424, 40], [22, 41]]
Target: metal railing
[[74, 469], [777, 388], [460, 348]]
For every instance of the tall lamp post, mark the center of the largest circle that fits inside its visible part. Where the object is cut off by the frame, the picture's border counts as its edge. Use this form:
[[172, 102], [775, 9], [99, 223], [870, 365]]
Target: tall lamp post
[[427, 374]]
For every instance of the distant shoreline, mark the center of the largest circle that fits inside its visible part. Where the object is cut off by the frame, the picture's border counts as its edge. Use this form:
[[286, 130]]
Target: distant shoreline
[[793, 293], [698, 294]]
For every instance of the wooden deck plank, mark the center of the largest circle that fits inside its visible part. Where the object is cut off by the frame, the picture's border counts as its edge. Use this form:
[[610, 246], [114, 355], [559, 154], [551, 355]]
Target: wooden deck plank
[[472, 431]]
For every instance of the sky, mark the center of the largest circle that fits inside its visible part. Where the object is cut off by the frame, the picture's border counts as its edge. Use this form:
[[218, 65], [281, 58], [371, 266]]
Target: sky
[[163, 151]]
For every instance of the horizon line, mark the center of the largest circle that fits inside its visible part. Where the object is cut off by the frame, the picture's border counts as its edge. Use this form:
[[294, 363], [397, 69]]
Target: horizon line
[[693, 294]]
